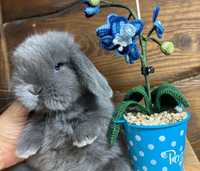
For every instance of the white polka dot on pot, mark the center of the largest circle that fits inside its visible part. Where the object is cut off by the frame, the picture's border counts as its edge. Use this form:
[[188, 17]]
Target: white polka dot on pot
[[153, 162], [135, 158], [164, 169], [144, 168], [163, 155], [181, 132], [138, 138], [173, 143], [162, 138], [141, 153], [181, 148], [150, 146], [131, 143]]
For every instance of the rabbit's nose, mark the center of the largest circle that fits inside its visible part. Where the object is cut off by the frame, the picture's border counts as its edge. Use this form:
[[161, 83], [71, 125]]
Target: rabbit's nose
[[36, 90]]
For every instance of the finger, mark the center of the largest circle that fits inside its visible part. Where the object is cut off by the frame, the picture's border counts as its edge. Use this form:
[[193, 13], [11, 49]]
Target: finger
[[8, 157], [12, 120]]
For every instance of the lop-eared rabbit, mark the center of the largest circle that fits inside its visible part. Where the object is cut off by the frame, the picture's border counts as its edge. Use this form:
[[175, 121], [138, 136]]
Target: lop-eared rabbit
[[70, 104]]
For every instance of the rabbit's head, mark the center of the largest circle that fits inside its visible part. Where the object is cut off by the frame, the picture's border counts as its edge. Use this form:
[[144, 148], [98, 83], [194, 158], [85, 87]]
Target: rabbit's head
[[50, 71]]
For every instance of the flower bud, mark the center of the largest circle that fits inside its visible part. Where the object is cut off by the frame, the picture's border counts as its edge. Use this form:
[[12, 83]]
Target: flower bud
[[90, 11], [167, 48], [94, 2]]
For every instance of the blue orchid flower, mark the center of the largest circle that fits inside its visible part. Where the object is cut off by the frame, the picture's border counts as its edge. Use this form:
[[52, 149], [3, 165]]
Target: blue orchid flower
[[89, 9], [120, 34], [133, 54], [158, 26]]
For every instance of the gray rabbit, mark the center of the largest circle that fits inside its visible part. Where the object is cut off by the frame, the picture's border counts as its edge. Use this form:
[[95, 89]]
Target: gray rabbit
[[70, 104]]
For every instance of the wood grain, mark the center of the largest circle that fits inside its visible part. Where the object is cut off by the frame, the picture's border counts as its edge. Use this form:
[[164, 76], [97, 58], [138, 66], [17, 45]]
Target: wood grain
[[182, 24], [191, 88], [190, 157], [187, 59], [195, 167], [20, 9]]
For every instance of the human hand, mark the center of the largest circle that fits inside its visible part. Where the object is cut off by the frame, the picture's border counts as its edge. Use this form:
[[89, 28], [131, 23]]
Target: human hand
[[12, 122]]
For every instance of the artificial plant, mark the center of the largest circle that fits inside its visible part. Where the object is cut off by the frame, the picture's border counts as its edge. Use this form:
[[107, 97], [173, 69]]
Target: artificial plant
[[124, 35]]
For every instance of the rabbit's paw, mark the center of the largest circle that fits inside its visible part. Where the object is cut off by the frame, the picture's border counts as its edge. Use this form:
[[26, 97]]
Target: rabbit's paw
[[30, 140], [84, 135]]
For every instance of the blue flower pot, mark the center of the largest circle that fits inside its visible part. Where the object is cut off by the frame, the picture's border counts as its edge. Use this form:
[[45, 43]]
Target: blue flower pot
[[156, 148]]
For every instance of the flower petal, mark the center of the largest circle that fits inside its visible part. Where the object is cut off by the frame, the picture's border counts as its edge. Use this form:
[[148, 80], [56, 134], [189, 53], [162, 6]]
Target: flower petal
[[116, 22], [103, 30], [133, 54], [156, 12], [128, 30], [106, 42], [159, 28], [139, 25], [90, 11]]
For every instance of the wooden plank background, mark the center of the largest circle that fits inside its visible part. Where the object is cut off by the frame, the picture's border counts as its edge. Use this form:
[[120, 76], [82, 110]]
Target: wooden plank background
[[181, 18]]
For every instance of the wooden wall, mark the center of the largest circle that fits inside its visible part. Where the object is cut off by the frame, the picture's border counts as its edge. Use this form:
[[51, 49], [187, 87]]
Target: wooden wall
[[21, 18]]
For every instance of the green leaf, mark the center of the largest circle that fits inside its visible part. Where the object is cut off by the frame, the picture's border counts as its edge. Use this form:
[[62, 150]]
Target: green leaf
[[167, 96], [137, 94], [120, 110]]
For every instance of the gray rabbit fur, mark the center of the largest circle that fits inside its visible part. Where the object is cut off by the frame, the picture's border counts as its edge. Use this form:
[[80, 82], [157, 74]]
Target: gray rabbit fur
[[70, 104]]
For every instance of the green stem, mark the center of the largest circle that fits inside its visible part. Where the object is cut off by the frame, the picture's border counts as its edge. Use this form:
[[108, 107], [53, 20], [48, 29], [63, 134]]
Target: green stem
[[143, 44], [144, 63]]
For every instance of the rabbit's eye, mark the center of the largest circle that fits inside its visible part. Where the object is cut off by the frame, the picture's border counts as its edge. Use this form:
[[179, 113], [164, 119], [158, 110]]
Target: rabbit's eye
[[58, 66]]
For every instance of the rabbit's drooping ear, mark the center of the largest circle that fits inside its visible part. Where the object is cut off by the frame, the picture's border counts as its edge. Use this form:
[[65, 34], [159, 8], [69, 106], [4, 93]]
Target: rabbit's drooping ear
[[90, 77]]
